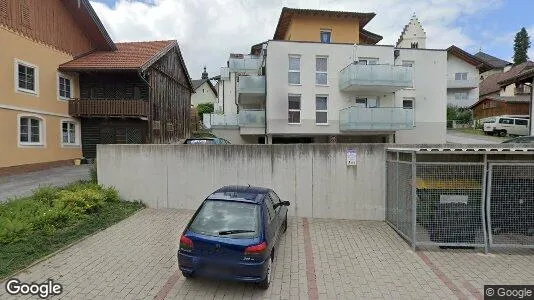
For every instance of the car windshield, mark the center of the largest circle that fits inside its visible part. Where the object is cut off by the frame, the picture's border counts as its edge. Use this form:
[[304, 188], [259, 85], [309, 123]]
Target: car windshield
[[200, 141], [232, 219]]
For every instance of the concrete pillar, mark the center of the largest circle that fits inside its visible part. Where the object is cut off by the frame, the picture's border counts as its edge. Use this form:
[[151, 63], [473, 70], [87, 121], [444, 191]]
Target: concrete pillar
[[269, 139], [531, 107]]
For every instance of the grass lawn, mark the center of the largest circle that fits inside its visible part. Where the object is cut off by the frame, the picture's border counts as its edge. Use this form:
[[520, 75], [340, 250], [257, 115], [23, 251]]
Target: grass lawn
[[35, 226]]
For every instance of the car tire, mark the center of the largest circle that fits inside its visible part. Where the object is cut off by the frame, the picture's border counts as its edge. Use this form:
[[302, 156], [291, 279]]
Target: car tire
[[264, 284], [187, 274], [502, 133], [284, 225]]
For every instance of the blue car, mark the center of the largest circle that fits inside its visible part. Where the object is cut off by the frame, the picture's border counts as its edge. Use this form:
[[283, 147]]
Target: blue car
[[234, 235]]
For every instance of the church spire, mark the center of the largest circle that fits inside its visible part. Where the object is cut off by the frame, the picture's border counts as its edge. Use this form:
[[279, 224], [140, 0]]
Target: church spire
[[204, 74]]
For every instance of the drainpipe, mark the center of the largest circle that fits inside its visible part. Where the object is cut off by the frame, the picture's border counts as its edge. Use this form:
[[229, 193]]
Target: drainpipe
[[531, 108], [266, 141]]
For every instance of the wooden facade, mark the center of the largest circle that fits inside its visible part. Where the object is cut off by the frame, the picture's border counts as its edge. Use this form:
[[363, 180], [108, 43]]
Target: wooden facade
[[48, 22], [170, 99], [491, 108], [134, 107]]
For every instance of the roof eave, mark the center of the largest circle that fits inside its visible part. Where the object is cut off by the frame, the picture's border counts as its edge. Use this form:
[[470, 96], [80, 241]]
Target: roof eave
[[99, 24]]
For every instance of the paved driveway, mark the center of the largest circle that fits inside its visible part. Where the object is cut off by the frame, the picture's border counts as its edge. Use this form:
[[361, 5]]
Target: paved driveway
[[458, 137], [317, 259], [23, 184]]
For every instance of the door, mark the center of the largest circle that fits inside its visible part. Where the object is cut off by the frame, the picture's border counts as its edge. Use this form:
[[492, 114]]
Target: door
[[520, 127], [274, 220]]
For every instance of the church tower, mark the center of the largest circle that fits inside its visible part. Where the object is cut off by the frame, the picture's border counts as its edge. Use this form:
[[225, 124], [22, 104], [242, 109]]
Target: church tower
[[413, 35]]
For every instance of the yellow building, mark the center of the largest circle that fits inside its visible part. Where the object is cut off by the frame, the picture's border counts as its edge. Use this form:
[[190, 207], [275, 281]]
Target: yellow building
[[322, 26], [36, 37]]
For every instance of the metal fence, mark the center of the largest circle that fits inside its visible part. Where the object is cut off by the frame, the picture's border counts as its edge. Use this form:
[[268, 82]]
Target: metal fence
[[461, 197]]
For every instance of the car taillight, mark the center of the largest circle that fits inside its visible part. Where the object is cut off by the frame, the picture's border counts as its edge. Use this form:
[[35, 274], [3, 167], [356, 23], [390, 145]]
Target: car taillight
[[256, 249], [186, 243]]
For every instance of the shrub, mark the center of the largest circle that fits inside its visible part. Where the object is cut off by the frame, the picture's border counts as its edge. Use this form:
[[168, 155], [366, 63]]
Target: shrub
[[93, 173], [13, 230], [111, 194], [204, 108], [53, 218], [46, 195]]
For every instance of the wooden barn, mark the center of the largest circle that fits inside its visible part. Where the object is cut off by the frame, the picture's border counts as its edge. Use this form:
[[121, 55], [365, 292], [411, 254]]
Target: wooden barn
[[139, 93]]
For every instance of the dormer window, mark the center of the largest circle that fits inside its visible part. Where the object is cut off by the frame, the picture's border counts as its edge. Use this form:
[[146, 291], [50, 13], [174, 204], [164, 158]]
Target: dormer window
[[326, 36]]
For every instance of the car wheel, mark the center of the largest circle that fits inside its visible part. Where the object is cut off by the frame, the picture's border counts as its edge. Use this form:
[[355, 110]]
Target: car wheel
[[502, 133], [187, 274], [264, 284], [284, 226]]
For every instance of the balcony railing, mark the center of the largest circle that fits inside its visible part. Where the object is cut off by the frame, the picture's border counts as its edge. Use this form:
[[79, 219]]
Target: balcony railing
[[252, 118], [108, 108], [251, 89], [375, 78], [468, 83], [216, 120], [244, 63], [379, 118]]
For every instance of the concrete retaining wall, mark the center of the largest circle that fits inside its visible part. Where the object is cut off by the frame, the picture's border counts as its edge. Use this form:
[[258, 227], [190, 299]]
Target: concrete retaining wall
[[314, 177]]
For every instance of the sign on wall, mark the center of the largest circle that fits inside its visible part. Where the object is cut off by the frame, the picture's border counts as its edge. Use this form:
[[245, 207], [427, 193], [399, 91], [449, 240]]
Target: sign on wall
[[352, 157]]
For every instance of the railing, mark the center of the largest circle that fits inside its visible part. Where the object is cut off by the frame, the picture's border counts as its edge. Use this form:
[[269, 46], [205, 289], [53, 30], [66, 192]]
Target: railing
[[378, 77], [216, 120], [379, 118], [469, 82], [253, 84], [108, 108], [252, 118], [245, 63]]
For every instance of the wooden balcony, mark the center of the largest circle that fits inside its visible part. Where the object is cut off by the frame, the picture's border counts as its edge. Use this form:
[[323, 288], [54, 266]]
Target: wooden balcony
[[108, 108]]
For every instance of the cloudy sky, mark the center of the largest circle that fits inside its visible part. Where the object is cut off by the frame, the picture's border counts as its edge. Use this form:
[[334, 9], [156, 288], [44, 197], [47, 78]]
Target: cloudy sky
[[208, 30]]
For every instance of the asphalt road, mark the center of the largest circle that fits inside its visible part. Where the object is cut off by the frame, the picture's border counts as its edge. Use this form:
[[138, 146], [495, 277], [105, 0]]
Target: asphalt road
[[458, 137]]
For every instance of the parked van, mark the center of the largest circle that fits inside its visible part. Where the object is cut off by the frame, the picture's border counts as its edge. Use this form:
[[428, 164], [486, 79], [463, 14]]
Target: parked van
[[504, 125]]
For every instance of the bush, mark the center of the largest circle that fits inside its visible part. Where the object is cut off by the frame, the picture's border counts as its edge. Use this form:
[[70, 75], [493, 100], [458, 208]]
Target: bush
[[111, 194], [204, 108], [46, 195], [93, 173]]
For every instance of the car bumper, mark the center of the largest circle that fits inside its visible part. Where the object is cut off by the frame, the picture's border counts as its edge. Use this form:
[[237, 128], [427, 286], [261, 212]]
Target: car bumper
[[238, 271]]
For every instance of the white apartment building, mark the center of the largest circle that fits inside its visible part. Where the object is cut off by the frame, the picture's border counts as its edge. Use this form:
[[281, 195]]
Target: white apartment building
[[316, 92]]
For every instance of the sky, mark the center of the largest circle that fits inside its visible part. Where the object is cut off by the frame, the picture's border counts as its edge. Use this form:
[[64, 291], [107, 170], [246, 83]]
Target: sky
[[209, 30]]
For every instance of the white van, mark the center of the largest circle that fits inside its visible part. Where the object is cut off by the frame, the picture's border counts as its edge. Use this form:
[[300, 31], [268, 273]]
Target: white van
[[506, 125]]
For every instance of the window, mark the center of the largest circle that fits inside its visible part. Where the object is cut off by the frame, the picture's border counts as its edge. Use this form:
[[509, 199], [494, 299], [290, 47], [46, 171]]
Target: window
[[408, 63], [407, 103], [30, 130], [361, 102], [414, 45], [294, 70], [460, 96], [321, 70], [65, 87], [367, 61], [321, 110], [68, 133], [506, 121], [326, 36], [294, 109], [26, 77], [275, 198], [460, 76], [270, 207], [521, 122]]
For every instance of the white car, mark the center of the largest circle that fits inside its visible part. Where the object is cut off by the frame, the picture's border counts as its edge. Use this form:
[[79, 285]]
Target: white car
[[503, 126]]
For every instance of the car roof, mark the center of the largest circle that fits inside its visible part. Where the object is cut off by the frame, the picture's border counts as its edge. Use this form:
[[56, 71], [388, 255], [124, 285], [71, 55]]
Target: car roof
[[245, 193]]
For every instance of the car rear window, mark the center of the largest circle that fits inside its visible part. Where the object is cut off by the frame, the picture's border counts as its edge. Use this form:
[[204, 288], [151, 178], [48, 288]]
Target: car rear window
[[221, 218], [200, 141]]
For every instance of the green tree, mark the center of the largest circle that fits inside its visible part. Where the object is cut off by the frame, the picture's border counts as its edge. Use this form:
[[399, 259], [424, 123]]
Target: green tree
[[204, 108], [521, 45]]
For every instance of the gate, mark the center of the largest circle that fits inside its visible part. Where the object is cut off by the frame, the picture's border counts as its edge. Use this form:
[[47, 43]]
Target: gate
[[510, 205], [461, 197]]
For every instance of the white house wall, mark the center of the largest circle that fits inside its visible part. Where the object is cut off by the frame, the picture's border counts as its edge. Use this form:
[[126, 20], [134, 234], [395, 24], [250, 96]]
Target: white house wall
[[278, 89], [203, 94], [430, 93], [456, 65]]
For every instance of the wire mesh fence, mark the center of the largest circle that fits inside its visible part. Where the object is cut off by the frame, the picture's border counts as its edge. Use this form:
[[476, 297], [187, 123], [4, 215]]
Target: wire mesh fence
[[511, 205], [461, 199]]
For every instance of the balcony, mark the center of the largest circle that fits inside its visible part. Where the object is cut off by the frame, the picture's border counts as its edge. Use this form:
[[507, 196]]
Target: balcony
[[468, 83], [376, 119], [252, 118], [239, 63], [108, 108], [375, 78], [251, 90], [220, 121]]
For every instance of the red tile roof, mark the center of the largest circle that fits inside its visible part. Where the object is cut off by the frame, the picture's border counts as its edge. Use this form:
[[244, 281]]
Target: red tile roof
[[491, 83], [128, 56]]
